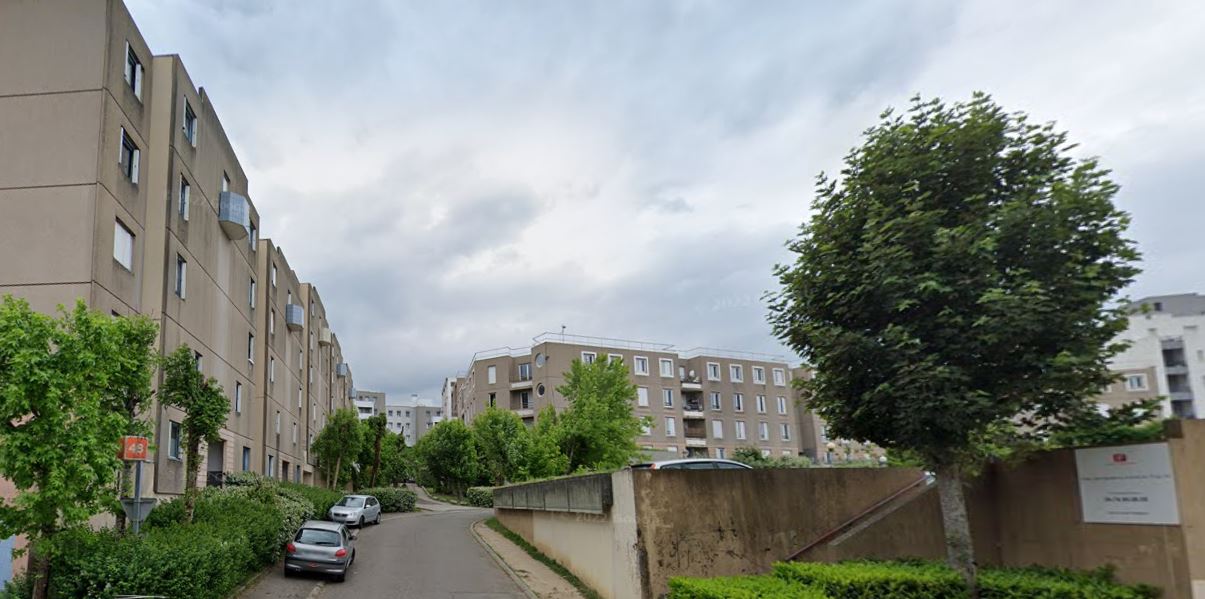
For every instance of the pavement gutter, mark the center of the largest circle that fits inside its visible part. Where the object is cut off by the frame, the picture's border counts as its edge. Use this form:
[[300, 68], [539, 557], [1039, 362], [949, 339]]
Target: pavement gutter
[[501, 562]]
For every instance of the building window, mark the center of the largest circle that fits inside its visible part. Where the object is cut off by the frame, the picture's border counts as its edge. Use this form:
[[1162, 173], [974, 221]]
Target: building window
[[740, 430], [539, 391], [782, 405], [640, 365], [738, 402], [785, 430], [765, 453], [780, 377], [667, 367], [299, 397], [273, 275], [763, 431], [272, 321], [761, 404], [759, 375], [271, 369], [525, 371], [717, 429], [133, 71], [198, 358], [615, 357], [190, 124], [588, 357], [251, 348], [713, 371], [645, 430], [493, 400], [719, 452], [251, 293], [123, 246], [271, 465], [491, 375], [181, 275], [276, 425], [253, 238], [525, 400], [642, 396], [129, 157], [185, 192], [715, 401], [735, 374], [238, 397], [246, 459], [173, 439], [294, 433], [1136, 382], [225, 181], [667, 397], [670, 426]]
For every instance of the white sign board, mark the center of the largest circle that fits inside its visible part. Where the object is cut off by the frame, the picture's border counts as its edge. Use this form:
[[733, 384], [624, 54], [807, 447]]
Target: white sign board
[[1127, 484]]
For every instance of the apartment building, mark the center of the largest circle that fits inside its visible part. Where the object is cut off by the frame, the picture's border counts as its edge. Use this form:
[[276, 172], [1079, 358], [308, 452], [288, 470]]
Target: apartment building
[[368, 403], [1166, 356], [412, 417], [701, 402], [119, 185]]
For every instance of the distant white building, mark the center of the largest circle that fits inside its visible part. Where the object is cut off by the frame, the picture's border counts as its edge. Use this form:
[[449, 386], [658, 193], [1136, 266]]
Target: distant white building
[[412, 417], [368, 403], [1166, 357]]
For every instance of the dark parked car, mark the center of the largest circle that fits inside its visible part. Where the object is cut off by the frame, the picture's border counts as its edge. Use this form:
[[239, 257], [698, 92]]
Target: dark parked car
[[321, 547]]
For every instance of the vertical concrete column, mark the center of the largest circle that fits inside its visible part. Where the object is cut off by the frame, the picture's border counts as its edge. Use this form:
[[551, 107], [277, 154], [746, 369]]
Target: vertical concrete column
[[1186, 439], [629, 557]]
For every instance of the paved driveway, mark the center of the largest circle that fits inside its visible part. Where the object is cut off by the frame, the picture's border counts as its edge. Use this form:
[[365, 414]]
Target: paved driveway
[[417, 555]]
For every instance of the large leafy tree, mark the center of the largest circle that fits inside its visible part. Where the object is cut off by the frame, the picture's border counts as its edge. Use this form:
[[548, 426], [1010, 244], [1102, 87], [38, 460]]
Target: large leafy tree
[[957, 276], [59, 381], [338, 443], [396, 460], [376, 430], [544, 458], [134, 367], [503, 444], [598, 431], [448, 457], [205, 410]]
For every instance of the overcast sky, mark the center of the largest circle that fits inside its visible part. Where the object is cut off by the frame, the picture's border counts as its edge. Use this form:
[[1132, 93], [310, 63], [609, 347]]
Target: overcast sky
[[457, 176]]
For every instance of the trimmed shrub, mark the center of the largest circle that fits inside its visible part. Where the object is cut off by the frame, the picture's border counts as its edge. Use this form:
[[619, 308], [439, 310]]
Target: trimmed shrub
[[740, 587], [480, 496], [926, 580], [393, 499], [321, 499]]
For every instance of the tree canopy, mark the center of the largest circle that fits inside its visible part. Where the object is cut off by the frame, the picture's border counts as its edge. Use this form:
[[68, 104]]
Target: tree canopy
[[957, 276], [503, 445], [338, 444], [205, 410], [448, 454]]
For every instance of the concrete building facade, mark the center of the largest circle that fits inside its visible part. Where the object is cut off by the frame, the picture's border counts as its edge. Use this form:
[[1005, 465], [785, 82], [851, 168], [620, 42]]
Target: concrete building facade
[[119, 185], [701, 402]]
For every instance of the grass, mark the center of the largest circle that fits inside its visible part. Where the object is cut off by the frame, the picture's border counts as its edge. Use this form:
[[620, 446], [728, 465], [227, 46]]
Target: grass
[[554, 565]]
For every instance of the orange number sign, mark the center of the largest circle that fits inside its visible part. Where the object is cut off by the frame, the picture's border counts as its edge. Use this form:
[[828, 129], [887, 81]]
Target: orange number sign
[[133, 448]]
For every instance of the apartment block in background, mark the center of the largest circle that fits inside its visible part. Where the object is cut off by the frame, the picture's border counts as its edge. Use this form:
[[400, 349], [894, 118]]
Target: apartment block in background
[[368, 403], [701, 402], [118, 185], [1166, 356]]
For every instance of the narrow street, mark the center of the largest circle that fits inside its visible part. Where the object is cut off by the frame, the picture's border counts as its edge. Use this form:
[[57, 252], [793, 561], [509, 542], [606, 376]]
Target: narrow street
[[427, 554]]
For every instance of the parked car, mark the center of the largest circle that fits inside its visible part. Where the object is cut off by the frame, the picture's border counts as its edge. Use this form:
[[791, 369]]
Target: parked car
[[692, 464], [356, 509], [321, 547]]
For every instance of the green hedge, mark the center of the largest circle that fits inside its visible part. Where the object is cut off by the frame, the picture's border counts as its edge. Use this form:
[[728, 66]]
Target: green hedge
[[393, 499], [480, 496], [740, 587], [925, 580], [322, 499]]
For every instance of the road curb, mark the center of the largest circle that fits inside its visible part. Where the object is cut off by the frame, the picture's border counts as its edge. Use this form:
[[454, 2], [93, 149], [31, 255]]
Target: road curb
[[501, 562]]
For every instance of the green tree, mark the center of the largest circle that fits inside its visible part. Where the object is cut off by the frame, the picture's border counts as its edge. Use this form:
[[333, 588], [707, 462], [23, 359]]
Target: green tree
[[544, 459], [340, 441], [598, 431], [59, 378], [957, 276], [396, 458], [447, 456], [376, 431], [1134, 422], [205, 410], [134, 366], [503, 444], [749, 455]]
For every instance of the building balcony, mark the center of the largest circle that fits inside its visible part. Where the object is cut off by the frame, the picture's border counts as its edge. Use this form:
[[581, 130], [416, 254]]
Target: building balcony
[[526, 413], [342, 369], [234, 215], [693, 411], [294, 317], [696, 442], [324, 336], [691, 382], [521, 384], [1180, 396]]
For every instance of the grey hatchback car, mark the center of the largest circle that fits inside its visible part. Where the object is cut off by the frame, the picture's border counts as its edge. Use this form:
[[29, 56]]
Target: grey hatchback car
[[321, 547]]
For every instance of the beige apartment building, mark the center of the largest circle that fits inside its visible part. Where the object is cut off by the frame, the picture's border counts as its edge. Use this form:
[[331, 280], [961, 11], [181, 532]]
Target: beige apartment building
[[119, 185], [701, 402]]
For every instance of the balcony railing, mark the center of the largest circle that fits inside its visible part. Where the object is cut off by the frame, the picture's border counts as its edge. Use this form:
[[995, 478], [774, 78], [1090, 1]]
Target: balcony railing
[[234, 215], [294, 317], [215, 478], [324, 336], [342, 369]]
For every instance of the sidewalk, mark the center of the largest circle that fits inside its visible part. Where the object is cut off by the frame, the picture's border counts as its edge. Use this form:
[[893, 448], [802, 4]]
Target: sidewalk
[[540, 579]]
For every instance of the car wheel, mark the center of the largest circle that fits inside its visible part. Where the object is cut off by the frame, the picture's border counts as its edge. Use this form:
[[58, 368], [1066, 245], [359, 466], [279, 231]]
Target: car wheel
[[341, 577], [378, 520], [288, 574], [361, 524]]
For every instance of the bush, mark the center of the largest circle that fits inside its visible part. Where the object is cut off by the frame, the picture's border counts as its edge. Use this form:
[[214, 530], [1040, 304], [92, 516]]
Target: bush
[[321, 499], [393, 499], [740, 587], [480, 496], [925, 580]]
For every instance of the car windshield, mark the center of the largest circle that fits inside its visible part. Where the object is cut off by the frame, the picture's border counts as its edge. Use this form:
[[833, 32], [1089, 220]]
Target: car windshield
[[351, 502], [315, 536]]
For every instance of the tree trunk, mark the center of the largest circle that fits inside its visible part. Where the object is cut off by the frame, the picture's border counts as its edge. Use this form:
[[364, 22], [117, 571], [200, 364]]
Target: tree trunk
[[376, 460], [960, 552], [335, 478], [192, 463], [39, 569]]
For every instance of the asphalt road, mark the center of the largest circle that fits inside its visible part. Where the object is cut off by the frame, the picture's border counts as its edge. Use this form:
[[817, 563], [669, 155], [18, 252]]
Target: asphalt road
[[429, 554]]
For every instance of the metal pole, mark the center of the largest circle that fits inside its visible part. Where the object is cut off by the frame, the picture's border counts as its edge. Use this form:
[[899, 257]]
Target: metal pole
[[137, 496]]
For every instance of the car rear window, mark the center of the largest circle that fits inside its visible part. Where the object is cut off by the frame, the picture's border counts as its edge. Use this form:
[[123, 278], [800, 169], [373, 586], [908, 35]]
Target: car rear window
[[351, 502], [317, 536]]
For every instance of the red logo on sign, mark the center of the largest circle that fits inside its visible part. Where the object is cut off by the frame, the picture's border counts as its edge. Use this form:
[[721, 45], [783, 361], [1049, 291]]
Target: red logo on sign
[[1119, 458]]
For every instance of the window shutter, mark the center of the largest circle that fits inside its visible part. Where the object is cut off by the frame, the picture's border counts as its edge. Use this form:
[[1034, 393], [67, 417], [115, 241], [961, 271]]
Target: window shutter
[[134, 166], [138, 82], [121, 146], [127, 68]]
